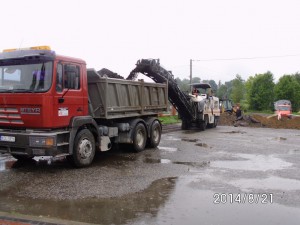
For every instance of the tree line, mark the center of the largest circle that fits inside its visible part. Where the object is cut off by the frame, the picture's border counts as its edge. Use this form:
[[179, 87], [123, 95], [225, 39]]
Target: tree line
[[258, 92]]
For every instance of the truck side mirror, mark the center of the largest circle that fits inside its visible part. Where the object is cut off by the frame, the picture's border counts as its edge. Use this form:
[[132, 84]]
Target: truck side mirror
[[61, 100]]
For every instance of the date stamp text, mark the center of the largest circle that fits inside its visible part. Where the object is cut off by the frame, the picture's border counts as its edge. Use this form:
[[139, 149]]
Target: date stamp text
[[242, 198]]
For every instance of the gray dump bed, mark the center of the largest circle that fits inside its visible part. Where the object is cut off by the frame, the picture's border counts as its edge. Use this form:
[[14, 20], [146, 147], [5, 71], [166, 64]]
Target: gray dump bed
[[118, 98]]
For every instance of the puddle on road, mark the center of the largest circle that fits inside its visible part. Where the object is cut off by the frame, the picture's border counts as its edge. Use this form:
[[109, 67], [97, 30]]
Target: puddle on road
[[253, 163], [163, 161], [271, 183], [194, 164], [234, 132], [202, 145], [191, 205], [171, 138], [167, 161], [119, 210], [5, 164], [294, 151], [280, 139], [167, 149], [190, 140]]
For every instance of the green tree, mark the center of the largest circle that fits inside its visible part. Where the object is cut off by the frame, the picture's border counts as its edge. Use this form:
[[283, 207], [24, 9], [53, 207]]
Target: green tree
[[222, 92], [213, 85], [248, 87], [184, 85], [238, 89], [261, 93], [297, 76], [288, 88], [196, 80]]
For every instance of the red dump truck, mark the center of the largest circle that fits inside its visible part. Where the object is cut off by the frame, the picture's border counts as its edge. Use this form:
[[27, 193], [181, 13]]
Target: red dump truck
[[51, 105]]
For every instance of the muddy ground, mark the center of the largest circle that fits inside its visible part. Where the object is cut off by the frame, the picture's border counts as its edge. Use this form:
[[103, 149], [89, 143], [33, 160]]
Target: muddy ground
[[260, 120], [224, 175]]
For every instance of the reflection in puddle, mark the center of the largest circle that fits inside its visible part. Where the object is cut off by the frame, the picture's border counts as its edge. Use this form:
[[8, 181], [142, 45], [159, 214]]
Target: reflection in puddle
[[189, 140], [234, 132], [281, 138], [166, 161], [202, 145], [168, 149], [171, 138], [194, 164], [119, 210], [5, 164], [253, 162], [163, 161], [190, 205], [273, 183]]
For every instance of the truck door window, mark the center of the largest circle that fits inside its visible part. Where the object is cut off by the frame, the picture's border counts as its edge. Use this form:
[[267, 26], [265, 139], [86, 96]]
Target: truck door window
[[59, 78], [71, 77]]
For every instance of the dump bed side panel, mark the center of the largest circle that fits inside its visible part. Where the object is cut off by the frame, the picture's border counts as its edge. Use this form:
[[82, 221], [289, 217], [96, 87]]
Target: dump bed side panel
[[117, 98]]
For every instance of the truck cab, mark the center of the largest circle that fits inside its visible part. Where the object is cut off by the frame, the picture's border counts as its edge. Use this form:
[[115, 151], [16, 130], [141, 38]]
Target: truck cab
[[40, 89], [40, 92], [48, 109]]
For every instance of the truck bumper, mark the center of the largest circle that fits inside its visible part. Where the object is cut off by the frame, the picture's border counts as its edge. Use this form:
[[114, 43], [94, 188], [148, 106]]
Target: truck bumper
[[34, 143]]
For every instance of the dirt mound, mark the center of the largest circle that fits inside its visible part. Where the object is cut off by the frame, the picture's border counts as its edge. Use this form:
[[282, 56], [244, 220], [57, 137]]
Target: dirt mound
[[292, 122], [110, 74], [226, 119], [259, 120]]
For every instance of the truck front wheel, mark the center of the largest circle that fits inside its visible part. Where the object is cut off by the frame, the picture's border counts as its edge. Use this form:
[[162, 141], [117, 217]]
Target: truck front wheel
[[139, 137], [84, 148], [203, 124]]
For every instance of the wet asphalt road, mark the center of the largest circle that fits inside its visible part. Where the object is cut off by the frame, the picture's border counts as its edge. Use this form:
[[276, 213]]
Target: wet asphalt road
[[227, 175]]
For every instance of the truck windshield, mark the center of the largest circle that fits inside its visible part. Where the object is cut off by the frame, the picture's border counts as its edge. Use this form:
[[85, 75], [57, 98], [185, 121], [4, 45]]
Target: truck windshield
[[33, 77], [283, 108]]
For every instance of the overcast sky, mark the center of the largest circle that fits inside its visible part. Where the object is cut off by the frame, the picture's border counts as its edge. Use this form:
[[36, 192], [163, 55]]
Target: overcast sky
[[116, 33]]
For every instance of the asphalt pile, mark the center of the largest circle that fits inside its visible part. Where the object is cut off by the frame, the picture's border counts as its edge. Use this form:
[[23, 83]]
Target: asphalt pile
[[260, 120]]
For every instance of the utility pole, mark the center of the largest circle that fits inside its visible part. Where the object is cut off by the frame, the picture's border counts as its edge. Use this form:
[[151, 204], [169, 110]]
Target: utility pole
[[191, 73]]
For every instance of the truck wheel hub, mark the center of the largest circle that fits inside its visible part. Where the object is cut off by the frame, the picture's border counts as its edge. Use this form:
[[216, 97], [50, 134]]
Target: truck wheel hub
[[140, 138], [155, 134], [85, 149]]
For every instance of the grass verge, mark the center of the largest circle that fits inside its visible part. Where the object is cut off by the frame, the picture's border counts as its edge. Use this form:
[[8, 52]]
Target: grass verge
[[169, 120]]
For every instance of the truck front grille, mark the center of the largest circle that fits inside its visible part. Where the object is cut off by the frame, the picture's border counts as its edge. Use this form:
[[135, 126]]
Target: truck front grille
[[10, 116]]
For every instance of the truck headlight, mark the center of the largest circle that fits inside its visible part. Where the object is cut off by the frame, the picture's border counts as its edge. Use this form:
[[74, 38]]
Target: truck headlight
[[41, 141]]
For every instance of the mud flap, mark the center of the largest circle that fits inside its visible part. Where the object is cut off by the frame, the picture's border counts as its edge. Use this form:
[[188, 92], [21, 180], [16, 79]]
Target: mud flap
[[105, 144]]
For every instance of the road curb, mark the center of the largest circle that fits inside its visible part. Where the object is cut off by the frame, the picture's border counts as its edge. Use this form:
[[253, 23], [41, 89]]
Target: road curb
[[19, 219]]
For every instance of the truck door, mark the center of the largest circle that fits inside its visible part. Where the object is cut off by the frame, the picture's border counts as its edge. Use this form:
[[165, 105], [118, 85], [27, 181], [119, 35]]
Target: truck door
[[68, 101]]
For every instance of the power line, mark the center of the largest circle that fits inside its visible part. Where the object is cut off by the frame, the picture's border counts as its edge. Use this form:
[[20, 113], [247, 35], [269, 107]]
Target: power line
[[245, 58]]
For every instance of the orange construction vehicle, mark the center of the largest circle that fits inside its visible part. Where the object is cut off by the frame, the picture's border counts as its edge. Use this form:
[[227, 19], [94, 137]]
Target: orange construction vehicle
[[283, 108]]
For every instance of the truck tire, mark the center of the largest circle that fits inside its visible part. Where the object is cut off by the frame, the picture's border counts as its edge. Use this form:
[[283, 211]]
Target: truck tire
[[139, 137], [185, 125], [216, 120], [211, 125], [155, 134], [203, 124], [84, 148]]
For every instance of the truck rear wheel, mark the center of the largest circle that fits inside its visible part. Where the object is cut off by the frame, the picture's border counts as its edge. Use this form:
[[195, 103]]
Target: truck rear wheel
[[216, 120], [185, 125], [155, 134], [203, 124], [139, 137], [84, 148]]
